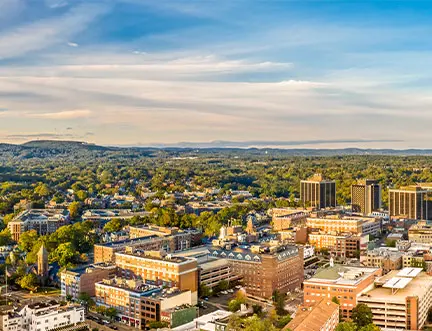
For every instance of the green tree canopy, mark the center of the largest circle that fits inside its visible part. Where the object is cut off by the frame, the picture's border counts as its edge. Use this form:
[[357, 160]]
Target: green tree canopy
[[28, 281], [362, 315], [27, 240], [346, 326], [116, 224]]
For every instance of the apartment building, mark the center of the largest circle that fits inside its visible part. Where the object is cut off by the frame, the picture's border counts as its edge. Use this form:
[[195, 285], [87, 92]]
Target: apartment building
[[320, 316], [366, 196], [265, 268], [160, 268], [284, 218], [343, 282], [44, 221], [347, 224], [317, 192], [138, 303], [41, 316], [383, 258], [83, 279], [106, 252], [420, 233], [400, 300], [411, 202]]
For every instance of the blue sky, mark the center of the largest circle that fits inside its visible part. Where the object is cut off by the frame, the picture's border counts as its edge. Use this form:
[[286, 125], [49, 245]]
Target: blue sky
[[138, 72]]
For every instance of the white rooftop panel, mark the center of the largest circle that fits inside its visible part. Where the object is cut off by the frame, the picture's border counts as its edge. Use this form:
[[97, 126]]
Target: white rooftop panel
[[397, 282], [409, 272]]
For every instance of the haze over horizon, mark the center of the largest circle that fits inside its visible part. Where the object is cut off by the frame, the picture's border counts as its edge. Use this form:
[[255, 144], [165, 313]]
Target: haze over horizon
[[140, 72]]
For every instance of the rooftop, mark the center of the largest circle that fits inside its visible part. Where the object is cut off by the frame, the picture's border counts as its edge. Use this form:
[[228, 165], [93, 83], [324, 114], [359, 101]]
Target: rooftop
[[213, 264], [46, 214], [88, 268], [148, 255], [417, 286], [312, 318], [140, 288], [342, 275]]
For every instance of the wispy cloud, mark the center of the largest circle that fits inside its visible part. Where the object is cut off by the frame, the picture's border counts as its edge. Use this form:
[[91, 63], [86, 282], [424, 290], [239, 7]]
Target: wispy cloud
[[44, 33], [64, 115]]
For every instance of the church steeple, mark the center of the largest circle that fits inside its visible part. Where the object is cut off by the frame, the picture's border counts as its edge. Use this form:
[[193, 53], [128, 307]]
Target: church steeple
[[42, 262]]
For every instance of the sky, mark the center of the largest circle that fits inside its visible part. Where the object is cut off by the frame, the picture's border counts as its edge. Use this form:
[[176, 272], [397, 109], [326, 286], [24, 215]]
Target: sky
[[320, 74]]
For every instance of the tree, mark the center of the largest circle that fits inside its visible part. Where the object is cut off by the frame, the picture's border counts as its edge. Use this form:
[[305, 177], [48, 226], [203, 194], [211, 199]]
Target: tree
[[335, 300], [81, 195], [279, 302], [64, 254], [157, 324], [101, 310], [29, 282], [204, 291], [234, 305], [361, 315], [223, 285], [370, 327], [111, 313], [390, 242], [74, 209], [346, 326], [5, 237], [27, 240], [115, 225], [42, 190], [284, 320], [255, 323], [86, 300], [257, 310], [234, 323]]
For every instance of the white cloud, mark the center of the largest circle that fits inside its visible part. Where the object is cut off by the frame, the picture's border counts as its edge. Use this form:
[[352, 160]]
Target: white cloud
[[71, 44], [42, 34], [64, 115]]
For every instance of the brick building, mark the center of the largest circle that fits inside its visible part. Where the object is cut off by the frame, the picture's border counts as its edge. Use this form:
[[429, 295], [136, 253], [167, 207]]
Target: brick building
[[343, 282], [265, 269], [160, 268]]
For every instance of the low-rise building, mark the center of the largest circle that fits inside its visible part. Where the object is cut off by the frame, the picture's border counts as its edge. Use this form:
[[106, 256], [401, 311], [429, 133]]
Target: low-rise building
[[83, 279], [321, 316], [384, 258], [420, 233], [106, 252], [345, 224], [181, 238], [400, 300], [43, 221], [161, 269], [41, 316], [284, 218], [345, 283], [138, 303]]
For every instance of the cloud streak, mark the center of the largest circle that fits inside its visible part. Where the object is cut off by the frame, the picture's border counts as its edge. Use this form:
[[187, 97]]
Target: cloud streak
[[39, 35]]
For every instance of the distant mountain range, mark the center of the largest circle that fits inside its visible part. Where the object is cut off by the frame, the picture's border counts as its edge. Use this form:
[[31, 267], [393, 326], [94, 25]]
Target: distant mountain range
[[54, 148]]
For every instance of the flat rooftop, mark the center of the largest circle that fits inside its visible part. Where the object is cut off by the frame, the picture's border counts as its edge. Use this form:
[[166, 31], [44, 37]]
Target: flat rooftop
[[167, 258], [88, 268], [342, 275], [129, 242], [213, 264], [416, 287]]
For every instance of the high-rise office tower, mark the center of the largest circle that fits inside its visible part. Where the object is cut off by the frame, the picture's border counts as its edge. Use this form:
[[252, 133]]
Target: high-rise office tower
[[411, 202], [366, 196], [316, 192]]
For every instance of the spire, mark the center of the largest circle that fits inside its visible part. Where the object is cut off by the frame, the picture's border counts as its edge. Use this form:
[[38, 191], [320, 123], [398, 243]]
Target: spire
[[43, 251], [42, 261]]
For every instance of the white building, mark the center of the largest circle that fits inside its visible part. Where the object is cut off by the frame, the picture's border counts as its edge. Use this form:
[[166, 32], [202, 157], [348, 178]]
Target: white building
[[41, 317]]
